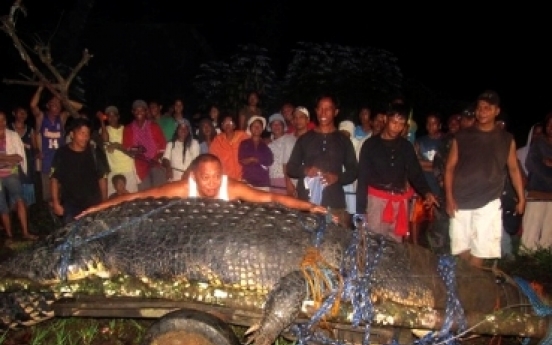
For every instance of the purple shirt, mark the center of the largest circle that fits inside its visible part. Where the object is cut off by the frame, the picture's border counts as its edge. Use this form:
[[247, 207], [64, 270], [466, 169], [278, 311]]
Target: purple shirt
[[256, 174]]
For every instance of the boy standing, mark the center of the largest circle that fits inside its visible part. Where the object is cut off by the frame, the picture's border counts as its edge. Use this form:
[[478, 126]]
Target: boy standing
[[474, 180]]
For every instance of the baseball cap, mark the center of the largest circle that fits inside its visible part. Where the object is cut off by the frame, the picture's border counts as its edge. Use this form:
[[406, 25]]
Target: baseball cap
[[276, 117], [139, 103], [111, 109], [253, 119], [303, 110], [490, 97]]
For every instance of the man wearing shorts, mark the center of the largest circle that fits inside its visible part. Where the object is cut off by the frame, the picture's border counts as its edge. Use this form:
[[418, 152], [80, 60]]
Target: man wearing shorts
[[474, 179]]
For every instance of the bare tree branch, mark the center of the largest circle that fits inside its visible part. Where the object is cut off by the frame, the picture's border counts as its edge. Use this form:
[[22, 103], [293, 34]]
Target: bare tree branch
[[45, 57], [59, 88], [86, 56], [25, 82]]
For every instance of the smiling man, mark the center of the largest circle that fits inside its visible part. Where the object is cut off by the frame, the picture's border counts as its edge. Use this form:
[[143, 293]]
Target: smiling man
[[475, 174], [326, 155], [206, 180]]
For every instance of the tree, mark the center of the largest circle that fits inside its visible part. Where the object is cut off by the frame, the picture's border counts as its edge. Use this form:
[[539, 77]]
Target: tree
[[227, 83], [55, 78], [356, 75]]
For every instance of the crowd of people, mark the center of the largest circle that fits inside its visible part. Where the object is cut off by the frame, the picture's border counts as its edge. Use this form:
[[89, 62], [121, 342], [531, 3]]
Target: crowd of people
[[372, 165]]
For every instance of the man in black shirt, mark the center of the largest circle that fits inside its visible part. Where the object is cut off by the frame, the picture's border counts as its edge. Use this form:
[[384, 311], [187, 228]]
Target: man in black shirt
[[79, 174], [326, 154], [387, 164]]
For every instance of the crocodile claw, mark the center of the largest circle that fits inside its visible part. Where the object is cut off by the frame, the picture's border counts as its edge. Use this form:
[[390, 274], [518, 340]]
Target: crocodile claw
[[281, 309]]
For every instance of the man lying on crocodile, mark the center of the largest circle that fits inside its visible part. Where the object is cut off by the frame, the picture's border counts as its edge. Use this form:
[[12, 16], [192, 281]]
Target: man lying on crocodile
[[205, 179]]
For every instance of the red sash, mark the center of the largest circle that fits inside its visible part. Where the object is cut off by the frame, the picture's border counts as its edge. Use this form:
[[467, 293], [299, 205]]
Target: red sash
[[388, 216]]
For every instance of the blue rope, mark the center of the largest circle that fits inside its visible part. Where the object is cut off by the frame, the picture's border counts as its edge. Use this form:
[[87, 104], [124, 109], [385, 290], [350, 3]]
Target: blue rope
[[72, 241], [356, 289], [453, 310], [539, 308]]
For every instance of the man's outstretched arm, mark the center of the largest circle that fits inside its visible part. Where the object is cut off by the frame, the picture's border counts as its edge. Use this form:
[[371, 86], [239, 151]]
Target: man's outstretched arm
[[239, 190], [168, 190]]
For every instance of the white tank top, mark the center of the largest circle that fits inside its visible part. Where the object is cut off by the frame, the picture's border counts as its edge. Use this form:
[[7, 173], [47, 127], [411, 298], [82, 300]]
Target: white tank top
[[223, 191]]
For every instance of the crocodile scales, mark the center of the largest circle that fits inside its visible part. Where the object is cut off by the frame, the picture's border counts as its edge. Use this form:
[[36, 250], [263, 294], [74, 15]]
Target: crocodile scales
[[192, 248]]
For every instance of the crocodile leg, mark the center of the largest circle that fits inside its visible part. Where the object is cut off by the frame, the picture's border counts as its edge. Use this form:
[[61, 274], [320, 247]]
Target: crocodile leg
[[281, 309]]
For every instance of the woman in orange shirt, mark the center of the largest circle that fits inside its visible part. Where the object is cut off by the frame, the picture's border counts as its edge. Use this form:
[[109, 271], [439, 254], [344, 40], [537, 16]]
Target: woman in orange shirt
[[225, 146]]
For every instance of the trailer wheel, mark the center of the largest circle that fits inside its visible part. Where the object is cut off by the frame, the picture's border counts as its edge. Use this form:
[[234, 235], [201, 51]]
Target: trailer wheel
[[190, 327]]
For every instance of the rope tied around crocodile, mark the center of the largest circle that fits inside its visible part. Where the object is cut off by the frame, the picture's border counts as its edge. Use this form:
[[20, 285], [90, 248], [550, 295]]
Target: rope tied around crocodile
[[357, 268], [539, 307], [320, 274], [453, 310]]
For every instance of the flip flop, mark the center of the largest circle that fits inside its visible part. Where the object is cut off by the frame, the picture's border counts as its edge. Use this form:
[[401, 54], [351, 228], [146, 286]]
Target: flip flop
[[30, 237]]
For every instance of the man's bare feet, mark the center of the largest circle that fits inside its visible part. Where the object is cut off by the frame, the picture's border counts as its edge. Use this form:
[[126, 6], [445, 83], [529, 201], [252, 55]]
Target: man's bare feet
[[30, 237]]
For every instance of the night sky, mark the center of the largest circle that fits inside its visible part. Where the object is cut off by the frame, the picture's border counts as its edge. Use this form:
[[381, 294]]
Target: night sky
[[454, 49]]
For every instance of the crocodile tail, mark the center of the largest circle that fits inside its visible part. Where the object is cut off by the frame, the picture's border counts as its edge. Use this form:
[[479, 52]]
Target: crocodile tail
[[25, 308], [281, 309]]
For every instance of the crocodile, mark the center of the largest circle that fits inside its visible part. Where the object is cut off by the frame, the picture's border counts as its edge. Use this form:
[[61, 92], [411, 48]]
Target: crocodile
[[237, 254]]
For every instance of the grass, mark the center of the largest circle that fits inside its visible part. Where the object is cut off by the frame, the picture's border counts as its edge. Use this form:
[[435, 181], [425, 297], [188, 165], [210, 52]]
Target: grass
[[79, 331]]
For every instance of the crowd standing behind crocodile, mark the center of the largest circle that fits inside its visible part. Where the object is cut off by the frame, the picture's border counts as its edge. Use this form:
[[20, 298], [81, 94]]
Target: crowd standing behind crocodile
[[469, 182]]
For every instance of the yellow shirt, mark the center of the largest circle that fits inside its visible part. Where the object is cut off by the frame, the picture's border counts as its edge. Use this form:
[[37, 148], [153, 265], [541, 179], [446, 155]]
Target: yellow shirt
[[118, 161]]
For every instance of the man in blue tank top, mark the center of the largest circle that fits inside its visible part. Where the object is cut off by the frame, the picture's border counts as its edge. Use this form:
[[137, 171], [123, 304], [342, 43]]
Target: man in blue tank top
[[50, 128]]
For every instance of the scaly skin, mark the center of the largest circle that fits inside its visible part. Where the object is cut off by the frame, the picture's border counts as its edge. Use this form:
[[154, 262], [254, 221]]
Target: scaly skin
[[190, 249]]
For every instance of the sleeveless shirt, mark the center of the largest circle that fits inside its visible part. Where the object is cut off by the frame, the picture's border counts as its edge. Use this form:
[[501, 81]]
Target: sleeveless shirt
[[481, 168], [53, 138]]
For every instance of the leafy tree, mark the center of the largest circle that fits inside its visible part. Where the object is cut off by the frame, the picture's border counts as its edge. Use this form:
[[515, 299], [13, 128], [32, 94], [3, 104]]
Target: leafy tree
[[355, 74], [228, 83]]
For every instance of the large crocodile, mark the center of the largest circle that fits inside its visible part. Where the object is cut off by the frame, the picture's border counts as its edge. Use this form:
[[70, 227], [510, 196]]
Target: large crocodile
[[237, 254]]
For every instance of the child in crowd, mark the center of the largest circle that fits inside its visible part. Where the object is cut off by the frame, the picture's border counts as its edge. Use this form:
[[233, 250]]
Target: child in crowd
[[119, 184]]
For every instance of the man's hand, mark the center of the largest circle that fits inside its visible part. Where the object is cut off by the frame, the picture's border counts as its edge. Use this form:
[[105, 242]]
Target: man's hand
[[169, 173], [57, 208], [101, 116], [547, 162], [317, 209], [328, 179], [520, 207], [430, 200], [291, 191], [312, 171], [87, 211], [249, 160], [452, 207]]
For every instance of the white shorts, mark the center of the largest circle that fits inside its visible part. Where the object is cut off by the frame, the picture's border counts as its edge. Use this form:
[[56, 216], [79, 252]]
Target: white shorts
[[478, 231]]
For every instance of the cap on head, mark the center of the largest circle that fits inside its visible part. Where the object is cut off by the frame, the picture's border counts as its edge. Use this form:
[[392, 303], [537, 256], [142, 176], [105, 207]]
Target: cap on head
[[139, 103], [276, 117], [303, 111], [490, 97], [112, 109], [253, 119]]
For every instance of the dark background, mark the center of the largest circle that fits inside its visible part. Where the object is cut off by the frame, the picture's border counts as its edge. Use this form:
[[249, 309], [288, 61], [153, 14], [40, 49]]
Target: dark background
[[454, 49]]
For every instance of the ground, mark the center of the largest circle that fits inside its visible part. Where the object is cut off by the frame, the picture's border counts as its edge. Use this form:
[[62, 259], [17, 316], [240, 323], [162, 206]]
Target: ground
[[130, 332]]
